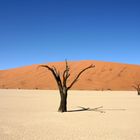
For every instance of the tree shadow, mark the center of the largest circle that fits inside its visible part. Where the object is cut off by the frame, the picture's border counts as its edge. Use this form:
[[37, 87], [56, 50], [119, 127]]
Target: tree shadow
[[97, 109]]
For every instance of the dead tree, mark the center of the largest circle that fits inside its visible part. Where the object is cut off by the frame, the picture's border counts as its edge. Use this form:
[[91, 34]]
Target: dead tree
[[137, 87], [62, 83]]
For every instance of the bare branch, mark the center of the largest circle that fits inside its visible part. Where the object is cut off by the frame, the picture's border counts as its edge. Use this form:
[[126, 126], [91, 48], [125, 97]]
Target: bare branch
[[49, 68], [66, 74], [75, 80], [55, 70], [136, 86], [66, 70], [55, 74]]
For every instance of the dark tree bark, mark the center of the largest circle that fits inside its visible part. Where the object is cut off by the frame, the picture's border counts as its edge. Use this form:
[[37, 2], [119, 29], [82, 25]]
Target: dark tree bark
[[63, 102], [137, 87], [62, 83]]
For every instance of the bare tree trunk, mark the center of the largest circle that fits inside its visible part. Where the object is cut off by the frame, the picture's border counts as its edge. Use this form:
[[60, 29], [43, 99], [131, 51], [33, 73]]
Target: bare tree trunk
[[63, 101], [137, 87], [62, 83]]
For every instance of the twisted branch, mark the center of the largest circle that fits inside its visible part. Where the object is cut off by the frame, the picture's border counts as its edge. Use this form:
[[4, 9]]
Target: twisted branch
[[77, 77]]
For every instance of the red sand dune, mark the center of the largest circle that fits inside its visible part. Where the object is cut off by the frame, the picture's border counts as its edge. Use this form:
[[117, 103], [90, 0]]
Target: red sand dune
[[105, 76]]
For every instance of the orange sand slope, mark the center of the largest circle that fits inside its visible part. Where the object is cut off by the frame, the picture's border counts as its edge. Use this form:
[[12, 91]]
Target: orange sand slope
[[105, 76]]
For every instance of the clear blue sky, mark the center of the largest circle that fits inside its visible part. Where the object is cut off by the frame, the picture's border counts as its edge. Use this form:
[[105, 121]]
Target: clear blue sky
[[38, 31]]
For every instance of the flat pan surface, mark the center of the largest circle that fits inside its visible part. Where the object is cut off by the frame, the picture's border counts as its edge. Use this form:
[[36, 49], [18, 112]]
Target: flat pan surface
[[32, 115]]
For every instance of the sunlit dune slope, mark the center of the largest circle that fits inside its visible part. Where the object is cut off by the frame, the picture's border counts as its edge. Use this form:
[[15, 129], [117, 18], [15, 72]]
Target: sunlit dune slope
[[105, 76]]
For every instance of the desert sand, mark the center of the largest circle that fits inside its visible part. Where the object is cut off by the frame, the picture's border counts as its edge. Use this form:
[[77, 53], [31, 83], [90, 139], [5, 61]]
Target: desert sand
[[105, 76], [32, 115]]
